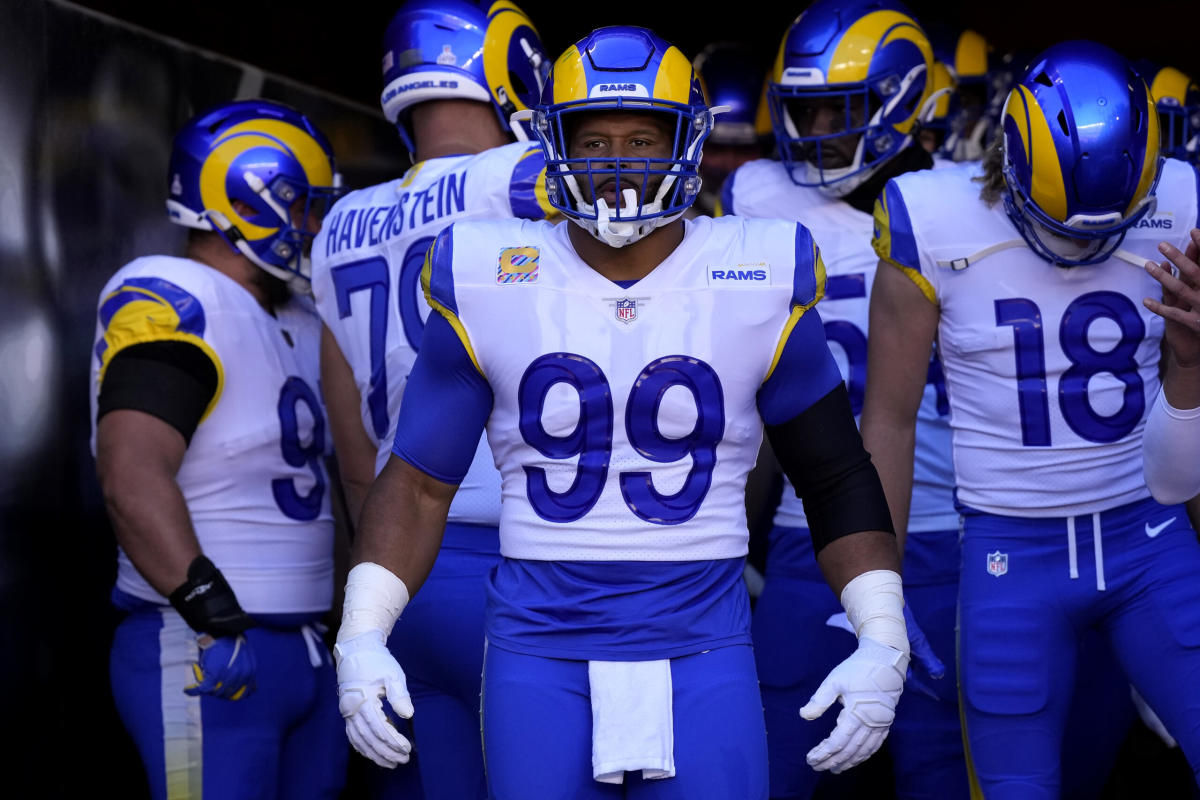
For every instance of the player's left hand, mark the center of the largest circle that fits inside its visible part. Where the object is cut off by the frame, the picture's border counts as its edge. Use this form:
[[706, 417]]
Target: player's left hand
[[226, 667], [869, 684]]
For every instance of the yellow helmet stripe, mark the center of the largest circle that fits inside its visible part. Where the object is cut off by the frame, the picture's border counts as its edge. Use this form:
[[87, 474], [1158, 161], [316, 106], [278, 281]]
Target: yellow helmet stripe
[[214, 173], [1170, 82], [1046, 180], [970, 55], [1150, 158], [570, 81], [674, 79], [777, 70], [503, 20], [304, 147], [852, 57]]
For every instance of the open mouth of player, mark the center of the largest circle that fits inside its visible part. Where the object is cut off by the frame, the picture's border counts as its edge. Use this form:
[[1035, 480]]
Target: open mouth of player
[[610, 190]]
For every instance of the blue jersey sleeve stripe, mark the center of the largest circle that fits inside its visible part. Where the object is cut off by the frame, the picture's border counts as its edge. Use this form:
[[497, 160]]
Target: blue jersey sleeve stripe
[[527, 187], [446, 406], [437, 276], [808, 280], [805, 372], [437, 279], [894, 240]]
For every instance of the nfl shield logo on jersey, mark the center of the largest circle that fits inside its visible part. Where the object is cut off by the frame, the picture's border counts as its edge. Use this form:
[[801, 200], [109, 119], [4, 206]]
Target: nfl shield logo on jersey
[[997, 563], [626, 310]]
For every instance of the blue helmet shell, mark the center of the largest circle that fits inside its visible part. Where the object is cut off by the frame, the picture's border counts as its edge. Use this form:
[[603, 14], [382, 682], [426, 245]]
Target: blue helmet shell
[[1081, 150], [267, 156], [455, 49]]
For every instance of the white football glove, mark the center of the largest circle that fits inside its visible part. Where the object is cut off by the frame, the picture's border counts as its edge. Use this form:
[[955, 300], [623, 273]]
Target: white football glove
[[869, 684], [366, 672]]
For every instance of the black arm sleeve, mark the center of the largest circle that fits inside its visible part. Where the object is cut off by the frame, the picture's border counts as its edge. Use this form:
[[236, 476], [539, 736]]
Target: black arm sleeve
[[822, 454], [174, 381]]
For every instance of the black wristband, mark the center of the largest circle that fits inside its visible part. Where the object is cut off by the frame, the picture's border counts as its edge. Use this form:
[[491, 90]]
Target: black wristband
[[207, 602]]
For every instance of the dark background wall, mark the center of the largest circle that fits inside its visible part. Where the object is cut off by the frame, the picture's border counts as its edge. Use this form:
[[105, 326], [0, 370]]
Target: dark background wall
[[336, 46], [88, 103]]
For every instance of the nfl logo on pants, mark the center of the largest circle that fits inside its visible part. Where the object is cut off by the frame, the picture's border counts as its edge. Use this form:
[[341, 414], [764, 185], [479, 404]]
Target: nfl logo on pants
[[997, 563]]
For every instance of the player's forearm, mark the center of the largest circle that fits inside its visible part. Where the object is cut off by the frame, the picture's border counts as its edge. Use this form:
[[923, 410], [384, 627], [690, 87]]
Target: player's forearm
[[847, 557], [152, 525], [355, 449], [402, 522], [1181, 385], [137, 457], [891, 446]]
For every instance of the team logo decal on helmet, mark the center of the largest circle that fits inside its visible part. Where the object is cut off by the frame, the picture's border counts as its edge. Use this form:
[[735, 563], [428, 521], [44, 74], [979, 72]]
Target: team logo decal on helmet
[[268, 157], [1081, 157], [455, 49], [623, 68], [868, 62]]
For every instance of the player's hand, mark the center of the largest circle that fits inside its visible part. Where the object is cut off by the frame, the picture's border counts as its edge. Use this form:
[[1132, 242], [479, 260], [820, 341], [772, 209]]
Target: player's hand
[[922, 657], [1180, 305], [1151, 719], [225, 669], [922, 654], [367, 673], [869, 684]]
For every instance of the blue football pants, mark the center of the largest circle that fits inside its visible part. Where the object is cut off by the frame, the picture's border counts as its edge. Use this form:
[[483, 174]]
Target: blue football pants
[[438, 641], [795, 650], [285, 741], [537, 730], [1030, 589]]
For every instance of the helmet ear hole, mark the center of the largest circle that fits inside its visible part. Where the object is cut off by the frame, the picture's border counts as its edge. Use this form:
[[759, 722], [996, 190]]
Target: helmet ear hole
[[1062, 123]]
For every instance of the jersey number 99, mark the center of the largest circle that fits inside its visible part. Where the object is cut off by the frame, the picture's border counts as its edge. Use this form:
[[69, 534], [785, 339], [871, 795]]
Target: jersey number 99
[[591, 440]]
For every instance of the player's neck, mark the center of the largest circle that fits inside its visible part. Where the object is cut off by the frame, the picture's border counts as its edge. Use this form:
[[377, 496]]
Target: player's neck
[[213, 251], [455, 128], [631, 262]]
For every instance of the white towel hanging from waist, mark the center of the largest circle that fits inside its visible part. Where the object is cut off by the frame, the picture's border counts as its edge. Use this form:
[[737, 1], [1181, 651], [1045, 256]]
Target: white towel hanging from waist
[[632, 719]]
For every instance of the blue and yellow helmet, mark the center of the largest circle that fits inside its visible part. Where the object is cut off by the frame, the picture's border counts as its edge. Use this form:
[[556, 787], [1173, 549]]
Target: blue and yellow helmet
[[1081, 157], [623, 68], [271, 158], [1177, 98], [731, 78], [455, 49], [967, 124], [871, 62], [944, 107]]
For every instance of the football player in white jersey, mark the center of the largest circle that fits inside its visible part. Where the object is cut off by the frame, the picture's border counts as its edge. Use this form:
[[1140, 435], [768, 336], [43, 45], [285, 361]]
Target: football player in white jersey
[[624, 365], [1050, 362], [853, 48], [454, 72], [209, 438]]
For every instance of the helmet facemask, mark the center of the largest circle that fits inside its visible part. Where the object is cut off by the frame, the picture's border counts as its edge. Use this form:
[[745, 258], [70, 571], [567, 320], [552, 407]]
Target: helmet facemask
[[649, 191], [863, 115]]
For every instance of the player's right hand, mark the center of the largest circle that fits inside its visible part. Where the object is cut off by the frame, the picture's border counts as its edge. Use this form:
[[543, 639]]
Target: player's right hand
[[367, 673]]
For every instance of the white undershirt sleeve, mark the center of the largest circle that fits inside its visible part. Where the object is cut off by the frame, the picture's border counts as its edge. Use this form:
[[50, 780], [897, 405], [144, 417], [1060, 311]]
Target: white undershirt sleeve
[[1171, 452]]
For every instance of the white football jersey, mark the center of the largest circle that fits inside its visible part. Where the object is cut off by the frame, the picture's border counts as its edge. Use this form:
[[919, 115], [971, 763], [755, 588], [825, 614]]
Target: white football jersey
[[763, 189], [254, 473], [1049, 370], [366, 281], [625, 421]]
